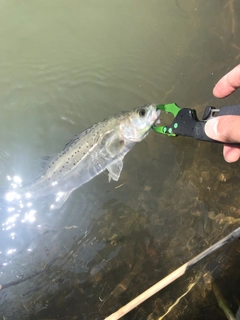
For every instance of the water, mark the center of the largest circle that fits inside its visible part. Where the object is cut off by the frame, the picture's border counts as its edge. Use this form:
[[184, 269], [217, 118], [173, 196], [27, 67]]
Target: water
[[66, 65]]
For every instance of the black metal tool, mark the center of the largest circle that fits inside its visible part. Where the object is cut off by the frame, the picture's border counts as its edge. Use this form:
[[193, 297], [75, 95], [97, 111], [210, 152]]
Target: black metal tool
[[186, 122]]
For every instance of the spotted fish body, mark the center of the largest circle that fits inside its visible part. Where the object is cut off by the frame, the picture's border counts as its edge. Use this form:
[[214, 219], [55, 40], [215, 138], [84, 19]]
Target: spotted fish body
[[100, 147]]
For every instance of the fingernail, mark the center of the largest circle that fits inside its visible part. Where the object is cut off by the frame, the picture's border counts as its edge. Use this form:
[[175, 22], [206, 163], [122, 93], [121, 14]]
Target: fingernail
[[211, 128]]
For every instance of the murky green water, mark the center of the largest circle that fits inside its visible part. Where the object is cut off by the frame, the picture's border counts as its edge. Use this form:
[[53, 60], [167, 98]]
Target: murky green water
[[65, 65]]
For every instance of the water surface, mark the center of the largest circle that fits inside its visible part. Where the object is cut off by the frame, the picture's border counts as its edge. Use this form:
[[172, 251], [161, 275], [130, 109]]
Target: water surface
[[66, 65]]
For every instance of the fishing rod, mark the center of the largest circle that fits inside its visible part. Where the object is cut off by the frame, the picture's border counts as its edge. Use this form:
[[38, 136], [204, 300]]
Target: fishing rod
[[172, 276]]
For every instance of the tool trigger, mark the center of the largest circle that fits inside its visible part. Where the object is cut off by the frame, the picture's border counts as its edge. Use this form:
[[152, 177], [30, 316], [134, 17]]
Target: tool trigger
[[210, 113]]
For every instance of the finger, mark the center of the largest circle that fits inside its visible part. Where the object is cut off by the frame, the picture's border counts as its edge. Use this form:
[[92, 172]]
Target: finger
[[231, 154], [224, 128], [229, 83]]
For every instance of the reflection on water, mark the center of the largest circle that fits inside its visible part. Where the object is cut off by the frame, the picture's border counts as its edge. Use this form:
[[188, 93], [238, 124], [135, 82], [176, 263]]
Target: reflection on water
[[65, 66]]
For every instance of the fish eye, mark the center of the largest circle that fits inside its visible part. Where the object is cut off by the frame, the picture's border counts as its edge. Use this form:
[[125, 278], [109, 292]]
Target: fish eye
[[142, 112]]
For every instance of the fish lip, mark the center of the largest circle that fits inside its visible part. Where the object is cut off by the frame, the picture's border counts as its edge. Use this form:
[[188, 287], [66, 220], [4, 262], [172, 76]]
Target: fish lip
[[158, 114]]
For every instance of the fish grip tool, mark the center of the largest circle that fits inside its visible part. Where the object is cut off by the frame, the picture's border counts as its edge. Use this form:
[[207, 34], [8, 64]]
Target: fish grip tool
[[186, 122]]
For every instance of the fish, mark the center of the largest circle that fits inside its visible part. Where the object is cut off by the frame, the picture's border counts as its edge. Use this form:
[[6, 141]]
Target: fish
[[101, 147]]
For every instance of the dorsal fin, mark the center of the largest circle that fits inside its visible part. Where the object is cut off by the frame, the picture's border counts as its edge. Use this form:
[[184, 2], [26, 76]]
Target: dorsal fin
[[78, 136], [44, 162], [71, 142]]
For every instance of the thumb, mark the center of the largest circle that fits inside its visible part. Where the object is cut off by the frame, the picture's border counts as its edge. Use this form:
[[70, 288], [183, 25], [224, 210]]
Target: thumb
[[224, 128]]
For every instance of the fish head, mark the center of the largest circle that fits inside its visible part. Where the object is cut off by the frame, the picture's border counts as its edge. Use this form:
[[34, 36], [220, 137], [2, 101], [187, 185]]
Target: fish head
[[139, 122]]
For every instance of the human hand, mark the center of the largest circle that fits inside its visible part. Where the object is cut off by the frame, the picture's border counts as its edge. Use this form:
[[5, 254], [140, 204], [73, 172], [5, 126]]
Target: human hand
[[226, 128]]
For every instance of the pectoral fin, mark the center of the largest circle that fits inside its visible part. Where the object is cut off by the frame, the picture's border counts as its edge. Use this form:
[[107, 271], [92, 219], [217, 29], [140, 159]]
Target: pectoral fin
[[115, 170], [112, 144]]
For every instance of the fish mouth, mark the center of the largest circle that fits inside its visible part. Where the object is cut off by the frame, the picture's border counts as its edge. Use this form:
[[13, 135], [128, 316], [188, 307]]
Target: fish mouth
[[156, 120]]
